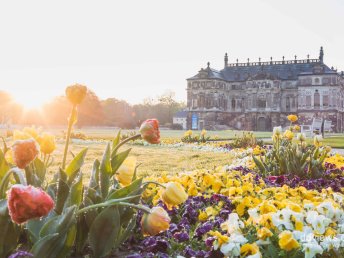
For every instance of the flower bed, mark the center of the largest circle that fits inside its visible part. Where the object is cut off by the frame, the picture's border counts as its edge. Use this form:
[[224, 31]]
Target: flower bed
[[285, 200]]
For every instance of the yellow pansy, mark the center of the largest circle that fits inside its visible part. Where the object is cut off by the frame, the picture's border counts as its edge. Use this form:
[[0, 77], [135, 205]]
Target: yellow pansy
[[287, 241]]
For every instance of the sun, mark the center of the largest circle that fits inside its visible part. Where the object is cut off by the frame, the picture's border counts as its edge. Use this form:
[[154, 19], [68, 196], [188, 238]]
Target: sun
[[30, 101]]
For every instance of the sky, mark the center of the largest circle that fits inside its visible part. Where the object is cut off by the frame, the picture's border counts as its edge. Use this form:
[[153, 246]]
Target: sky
[[135, 49]]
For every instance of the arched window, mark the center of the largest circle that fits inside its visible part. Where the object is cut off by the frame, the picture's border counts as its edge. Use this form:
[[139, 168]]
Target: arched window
[[316, 99]]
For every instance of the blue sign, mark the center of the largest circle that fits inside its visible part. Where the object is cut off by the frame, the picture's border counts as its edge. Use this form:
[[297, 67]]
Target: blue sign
[[194, 122]]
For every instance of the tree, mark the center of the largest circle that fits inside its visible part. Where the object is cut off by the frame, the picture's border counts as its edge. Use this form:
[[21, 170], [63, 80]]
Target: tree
[[10, 112], [90, 111], [118, 113]]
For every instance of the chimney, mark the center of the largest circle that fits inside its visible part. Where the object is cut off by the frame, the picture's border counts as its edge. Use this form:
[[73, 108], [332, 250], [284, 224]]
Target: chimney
[[226, 60]]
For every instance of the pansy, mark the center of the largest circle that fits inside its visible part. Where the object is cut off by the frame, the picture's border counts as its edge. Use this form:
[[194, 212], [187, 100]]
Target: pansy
[[232, 247]]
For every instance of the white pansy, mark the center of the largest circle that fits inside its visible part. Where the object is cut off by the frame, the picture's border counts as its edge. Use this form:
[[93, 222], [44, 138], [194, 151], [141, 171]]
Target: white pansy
[[254, 214], [337, 197], [232, 247], [311, 249], [320, 224], [233, 224], [327, 209], [329, 243], [304, 236], [311, 216], [308, 206], [281, 219]]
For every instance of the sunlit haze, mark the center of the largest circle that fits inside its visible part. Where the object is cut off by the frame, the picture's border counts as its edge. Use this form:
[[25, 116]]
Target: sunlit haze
[[136, 49]]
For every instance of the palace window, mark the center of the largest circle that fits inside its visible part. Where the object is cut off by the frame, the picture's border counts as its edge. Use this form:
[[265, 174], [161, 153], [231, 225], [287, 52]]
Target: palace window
[[316, 99], [287, 103], [233, 104], [325, 101], [261, 103], [308, 101]]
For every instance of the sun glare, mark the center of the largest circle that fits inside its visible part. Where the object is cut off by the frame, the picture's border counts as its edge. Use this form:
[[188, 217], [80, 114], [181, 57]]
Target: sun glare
[[30, 102]]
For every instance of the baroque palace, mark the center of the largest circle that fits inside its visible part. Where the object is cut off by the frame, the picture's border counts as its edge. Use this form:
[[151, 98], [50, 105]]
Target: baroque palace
[[259, 95]]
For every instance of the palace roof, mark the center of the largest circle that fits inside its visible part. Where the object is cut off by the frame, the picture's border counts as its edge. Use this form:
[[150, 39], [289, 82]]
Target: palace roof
[[280, 70]]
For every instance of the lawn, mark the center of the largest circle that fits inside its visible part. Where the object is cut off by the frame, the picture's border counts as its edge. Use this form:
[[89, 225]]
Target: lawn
[[154, 160]]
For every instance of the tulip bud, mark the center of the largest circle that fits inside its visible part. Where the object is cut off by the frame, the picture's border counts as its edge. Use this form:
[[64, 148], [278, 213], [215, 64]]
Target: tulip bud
[[317, 140], [28, 202], [174, 194], [126, 171], [155, 222], [76, 93], [277, 130], [24, 152], [150, 131], [47, 143], [301, 137]]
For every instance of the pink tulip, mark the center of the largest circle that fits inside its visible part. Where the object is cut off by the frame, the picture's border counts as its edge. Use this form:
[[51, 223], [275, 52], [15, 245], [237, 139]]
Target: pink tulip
[[150, 131], [28, 202]]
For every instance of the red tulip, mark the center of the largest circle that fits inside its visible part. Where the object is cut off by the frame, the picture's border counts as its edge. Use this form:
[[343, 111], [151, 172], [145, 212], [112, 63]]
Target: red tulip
[[150, 131], [28, 202], [24, 152]]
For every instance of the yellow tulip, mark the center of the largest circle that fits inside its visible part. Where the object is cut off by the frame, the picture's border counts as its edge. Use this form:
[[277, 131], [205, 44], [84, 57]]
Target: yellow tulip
[[292, 118], [47, 143], [174, 194], [288, 135], [287, 241], [19, 135], [126, 171], [32, 131], [76, 93], [155, 222]]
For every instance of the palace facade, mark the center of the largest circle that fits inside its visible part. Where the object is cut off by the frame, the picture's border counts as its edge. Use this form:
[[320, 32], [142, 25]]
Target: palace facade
[[259, 95]]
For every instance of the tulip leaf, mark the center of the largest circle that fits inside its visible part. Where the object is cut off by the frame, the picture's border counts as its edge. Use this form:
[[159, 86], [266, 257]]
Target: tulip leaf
[[4, 167], [34, 226], [118, 159], [10, 232], [62, 195], [104, 231], [105, 165], [69, 242], [81, 236], [127, 190], [104, 184], [126, 232], [115, 142], [94, 180], [75, 165], [46, 246], [40, 170], [75, 193]]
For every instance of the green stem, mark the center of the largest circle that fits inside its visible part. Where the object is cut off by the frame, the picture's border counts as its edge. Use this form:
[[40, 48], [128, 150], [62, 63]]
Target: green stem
[[133, 138], [153, 182], [5, 179], [114, 203], [70, 125]]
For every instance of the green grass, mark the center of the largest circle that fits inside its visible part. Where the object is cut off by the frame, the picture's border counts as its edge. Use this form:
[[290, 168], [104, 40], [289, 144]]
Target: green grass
[[154, 159], [108, 133]]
